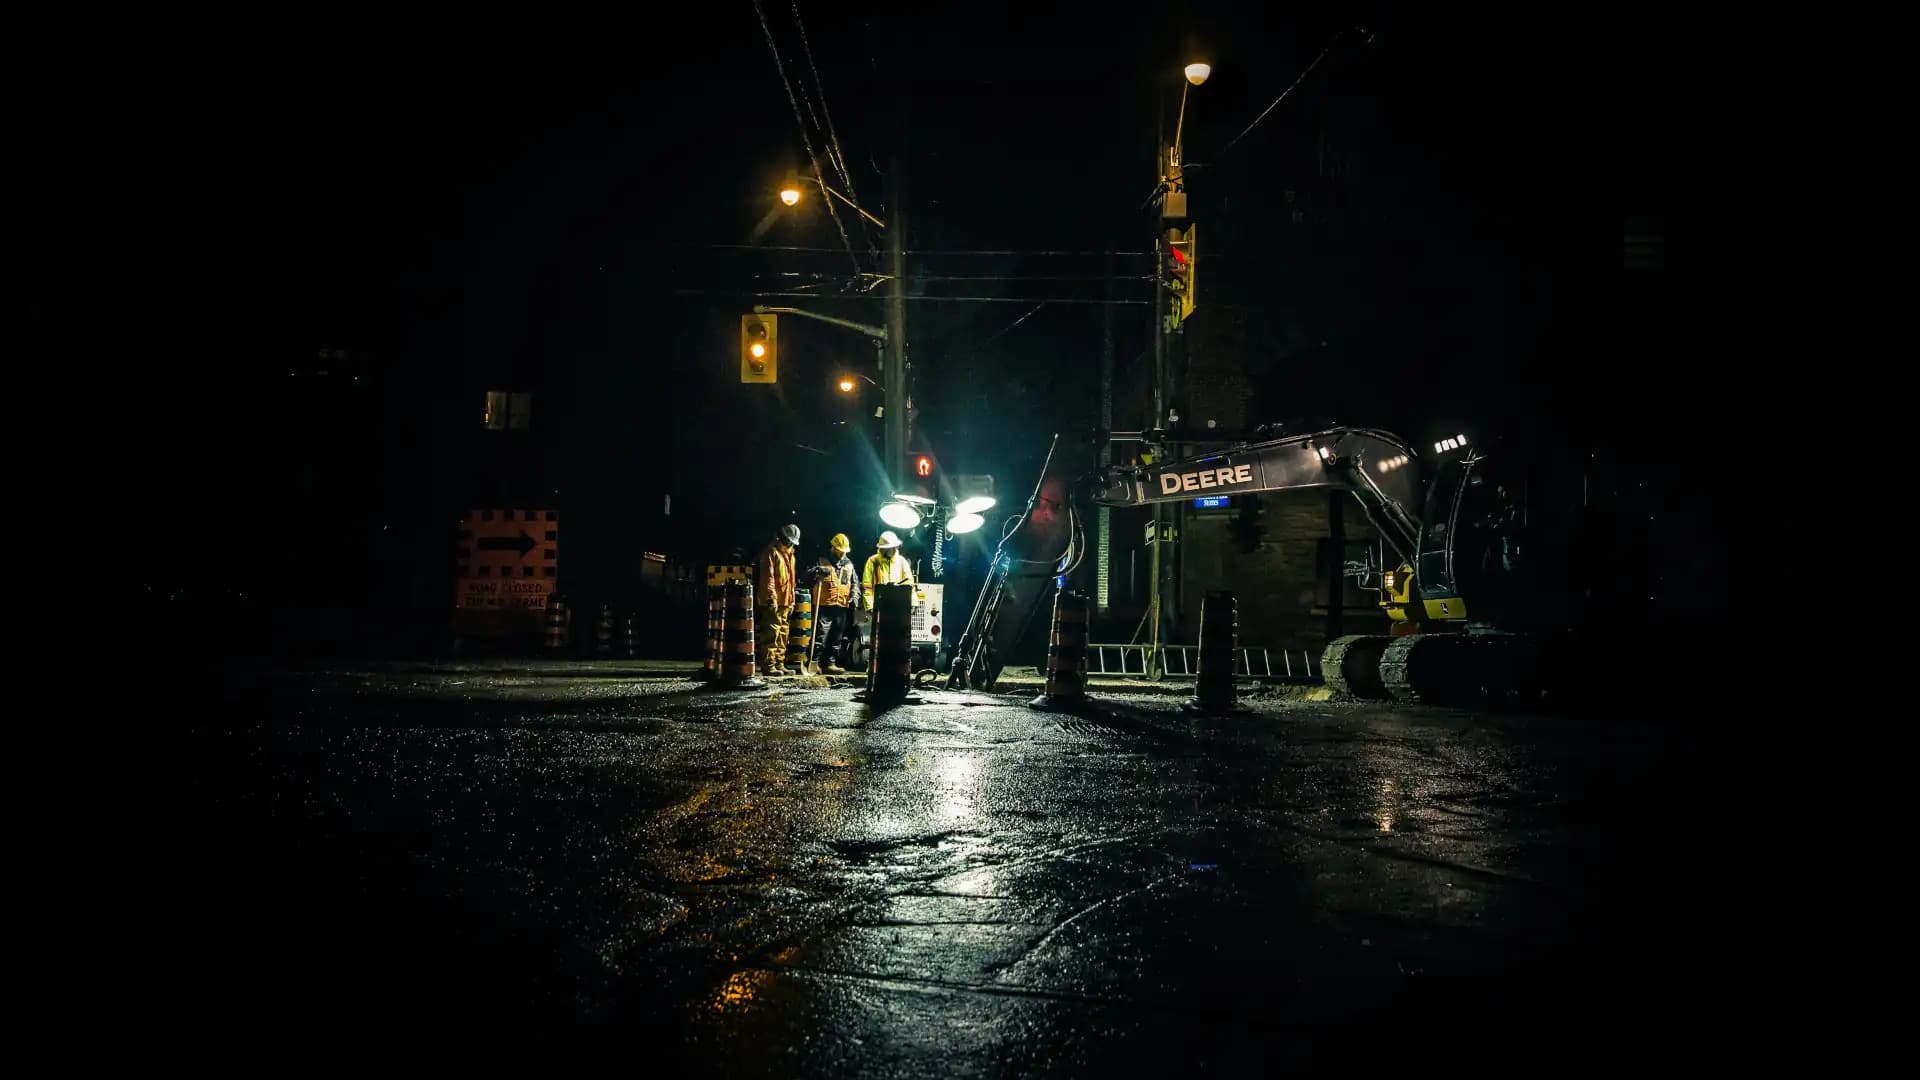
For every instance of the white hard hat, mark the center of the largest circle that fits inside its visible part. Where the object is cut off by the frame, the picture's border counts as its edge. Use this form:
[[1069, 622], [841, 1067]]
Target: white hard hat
[[791, 533], [888, 541]]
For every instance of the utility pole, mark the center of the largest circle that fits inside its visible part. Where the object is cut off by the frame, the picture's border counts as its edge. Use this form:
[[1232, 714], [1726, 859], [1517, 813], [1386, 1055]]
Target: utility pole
[[1103, 582], [1156, 664], [894, 378], [1170, 206]]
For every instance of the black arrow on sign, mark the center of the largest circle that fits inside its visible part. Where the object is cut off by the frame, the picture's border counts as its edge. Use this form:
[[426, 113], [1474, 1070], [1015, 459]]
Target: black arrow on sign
[[523, 544]]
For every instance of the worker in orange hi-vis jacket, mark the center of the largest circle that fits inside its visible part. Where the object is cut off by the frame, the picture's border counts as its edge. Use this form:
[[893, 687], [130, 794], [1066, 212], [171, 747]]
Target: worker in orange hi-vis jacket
[[773, 586]]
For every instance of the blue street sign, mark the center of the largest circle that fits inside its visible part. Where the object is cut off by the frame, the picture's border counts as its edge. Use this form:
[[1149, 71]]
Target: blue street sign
[[1210, 502]]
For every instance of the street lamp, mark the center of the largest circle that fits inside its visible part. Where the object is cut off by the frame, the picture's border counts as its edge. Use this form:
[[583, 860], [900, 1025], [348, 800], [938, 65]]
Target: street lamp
[[846, 385], [1196, 74], [790, 194]]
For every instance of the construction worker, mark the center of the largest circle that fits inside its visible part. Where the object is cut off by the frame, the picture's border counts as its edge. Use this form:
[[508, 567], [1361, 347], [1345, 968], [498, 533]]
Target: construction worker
[[773, 587], [838, 589], [886, 566]]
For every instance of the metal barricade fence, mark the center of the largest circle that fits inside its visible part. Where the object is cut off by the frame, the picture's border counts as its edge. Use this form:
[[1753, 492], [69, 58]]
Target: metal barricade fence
[[1183, 662]]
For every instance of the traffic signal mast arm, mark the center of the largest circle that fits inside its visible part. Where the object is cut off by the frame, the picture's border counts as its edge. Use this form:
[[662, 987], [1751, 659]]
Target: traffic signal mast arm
[[878, 333], [1376, 467]]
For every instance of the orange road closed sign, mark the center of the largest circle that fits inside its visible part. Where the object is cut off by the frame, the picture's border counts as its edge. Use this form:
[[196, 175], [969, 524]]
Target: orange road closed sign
[[507, 559]]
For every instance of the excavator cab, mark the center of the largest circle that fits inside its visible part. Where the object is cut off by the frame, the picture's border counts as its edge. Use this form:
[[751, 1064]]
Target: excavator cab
[[1396, 598]]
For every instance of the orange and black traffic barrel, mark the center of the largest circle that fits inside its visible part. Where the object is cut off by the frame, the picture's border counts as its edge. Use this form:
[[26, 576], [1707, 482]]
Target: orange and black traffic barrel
[[555, 637], [718, 575], [603, 633], [1066, 653], [890, 673], [716, 630], [736, 644], [800, 629], [1219, 639]]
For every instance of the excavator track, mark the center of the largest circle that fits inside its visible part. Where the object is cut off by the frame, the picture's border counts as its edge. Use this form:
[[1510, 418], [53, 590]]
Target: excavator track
[[1474, 668], [1351, 666]]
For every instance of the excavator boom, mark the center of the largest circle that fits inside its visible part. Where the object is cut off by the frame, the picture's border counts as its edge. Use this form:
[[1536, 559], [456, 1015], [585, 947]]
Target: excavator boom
[[1045, 542], [1376, 467], [1414, 506]]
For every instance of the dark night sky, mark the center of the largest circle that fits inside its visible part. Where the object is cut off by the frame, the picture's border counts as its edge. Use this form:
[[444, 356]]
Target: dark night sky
[[471, 204]]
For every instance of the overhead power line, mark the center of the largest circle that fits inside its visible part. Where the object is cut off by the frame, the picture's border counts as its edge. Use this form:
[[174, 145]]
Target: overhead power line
[[916, 251], [806, 139], [855, 298], [834, 153], [864, 279], [1003, 330], [1030, 277], [1283, 96]]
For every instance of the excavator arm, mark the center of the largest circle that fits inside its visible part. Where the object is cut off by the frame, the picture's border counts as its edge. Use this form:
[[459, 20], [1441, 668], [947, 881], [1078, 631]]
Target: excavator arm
[[1374, 466], [1044, 543], [1048, 539], [1380, 472]]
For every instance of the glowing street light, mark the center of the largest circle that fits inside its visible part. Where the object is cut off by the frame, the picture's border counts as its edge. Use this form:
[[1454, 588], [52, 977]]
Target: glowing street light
[[1197, 73], [790, 195], [846, 385]]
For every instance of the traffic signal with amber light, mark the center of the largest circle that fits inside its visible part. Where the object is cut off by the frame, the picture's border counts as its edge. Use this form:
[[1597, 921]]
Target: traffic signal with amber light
[[759, 348], [1178, 276]]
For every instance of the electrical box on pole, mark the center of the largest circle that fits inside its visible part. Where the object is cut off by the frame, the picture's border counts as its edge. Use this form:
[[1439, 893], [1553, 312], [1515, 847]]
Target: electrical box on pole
[[759, 348]]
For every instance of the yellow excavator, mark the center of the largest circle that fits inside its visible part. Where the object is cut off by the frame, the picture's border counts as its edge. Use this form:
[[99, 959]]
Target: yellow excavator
[[1454, 537]]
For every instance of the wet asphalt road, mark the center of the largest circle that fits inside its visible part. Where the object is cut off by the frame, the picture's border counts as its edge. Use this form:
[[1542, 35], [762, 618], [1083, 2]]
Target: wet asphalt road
[[785, 882]]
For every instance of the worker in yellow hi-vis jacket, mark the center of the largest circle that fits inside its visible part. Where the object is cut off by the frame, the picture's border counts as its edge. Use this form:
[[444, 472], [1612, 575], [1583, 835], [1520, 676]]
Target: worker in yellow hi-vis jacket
[[886, 566]]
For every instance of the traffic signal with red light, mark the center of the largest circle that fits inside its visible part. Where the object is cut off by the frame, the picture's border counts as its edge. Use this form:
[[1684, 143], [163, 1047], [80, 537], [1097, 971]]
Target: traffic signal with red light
[[759, 348], [1179, 265]]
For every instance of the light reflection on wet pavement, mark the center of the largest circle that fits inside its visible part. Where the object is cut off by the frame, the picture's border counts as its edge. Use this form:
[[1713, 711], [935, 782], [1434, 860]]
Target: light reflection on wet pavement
[[785, 882]]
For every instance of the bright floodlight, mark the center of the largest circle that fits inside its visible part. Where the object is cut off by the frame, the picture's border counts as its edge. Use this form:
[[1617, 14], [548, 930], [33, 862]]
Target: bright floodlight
[[790, 195], [960, 524], [900, 515], [1197, 73], [976, 505]]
